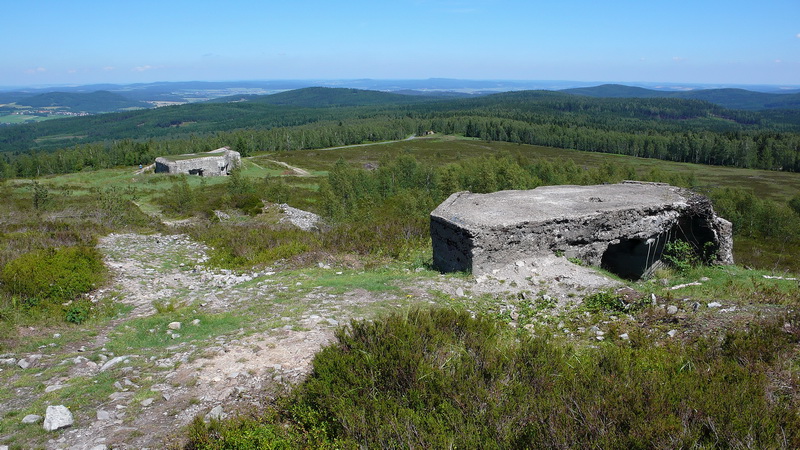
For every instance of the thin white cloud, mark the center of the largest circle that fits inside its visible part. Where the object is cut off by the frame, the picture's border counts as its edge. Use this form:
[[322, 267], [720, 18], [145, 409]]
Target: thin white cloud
[[72, 71], [36, 70], [778, 61], [143, 68], [678, 58], [109, 68], [797, 36]]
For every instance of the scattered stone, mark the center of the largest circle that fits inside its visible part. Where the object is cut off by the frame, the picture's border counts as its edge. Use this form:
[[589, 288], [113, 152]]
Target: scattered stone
[[216, 413], [147, 402], [459, 292], [681, 286], [174, 326], [672, 333], [99, 447], [57, 417], [672, 310], [52, 388], [704, 279], [120, 395], [695, 306], [196, 322], [653, 300], [31, 418], [103, 415], [520, 263], [714, 305], [23, 363], [111, 362], [624, 336], [7, 361]]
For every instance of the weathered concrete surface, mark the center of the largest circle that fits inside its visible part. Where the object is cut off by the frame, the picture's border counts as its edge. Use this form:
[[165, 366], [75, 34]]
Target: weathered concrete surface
[[214, 163], [622, 227]]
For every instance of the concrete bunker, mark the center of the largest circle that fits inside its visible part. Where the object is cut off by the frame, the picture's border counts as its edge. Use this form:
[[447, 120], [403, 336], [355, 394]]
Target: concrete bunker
[[622, 227], [214, 163]]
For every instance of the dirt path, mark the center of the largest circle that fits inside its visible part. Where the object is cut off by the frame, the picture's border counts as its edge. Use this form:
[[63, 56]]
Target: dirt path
[[280, 321], [297, 171]]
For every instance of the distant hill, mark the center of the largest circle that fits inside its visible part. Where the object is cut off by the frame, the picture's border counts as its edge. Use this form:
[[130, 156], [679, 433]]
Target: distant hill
[[323, 97], [94, 102], [728, 98]]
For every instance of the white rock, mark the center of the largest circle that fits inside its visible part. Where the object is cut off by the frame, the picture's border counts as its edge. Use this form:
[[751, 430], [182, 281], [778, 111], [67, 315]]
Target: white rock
[[174, 326], [672, 333], [216, 413], [57, 417], [23, 363], [672, 309], [55, 387], [196, 322], [714, 305], [7, 361], [31, 418], [103, 415], [147, 401], [624, 336], [112, 362], [520, 263], [459, 292]]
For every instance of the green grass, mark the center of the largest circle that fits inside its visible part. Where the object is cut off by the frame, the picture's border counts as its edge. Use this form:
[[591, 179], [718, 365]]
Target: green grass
[[381, 280], [136, 335], [730, 284]]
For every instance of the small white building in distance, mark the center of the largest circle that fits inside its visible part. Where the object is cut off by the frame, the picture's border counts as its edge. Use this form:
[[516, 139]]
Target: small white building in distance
[[209, 164]]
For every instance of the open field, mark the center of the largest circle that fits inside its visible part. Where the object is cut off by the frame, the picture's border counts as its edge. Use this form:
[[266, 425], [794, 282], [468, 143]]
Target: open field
[[22, 118]]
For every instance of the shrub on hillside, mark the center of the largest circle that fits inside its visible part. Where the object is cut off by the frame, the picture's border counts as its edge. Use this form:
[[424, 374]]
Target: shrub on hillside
[[445, 379], [53, 275]]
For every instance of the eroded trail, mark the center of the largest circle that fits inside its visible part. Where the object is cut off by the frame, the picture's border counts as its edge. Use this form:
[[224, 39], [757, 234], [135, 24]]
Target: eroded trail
[[195, 341], [156, 390]]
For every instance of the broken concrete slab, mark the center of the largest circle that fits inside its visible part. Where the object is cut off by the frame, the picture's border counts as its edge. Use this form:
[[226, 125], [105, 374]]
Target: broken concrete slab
[[622, 227]]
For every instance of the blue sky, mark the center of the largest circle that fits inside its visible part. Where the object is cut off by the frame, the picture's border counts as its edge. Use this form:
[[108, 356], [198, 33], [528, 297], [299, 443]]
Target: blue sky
[[698, 41]]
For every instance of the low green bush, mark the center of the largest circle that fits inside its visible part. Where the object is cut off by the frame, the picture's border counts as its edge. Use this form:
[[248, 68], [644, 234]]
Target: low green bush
[[445, 379], [53, 275]]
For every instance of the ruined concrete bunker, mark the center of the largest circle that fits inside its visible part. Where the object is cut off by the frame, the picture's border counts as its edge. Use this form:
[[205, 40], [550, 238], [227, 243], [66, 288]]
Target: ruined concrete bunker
[[621, 227], [208, 164]]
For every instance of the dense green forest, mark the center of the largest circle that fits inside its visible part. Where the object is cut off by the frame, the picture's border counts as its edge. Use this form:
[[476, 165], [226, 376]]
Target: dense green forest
[[669, 129]]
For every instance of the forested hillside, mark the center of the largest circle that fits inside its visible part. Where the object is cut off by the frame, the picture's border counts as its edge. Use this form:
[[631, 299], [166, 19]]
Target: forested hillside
[[727, 98], [670, 129]]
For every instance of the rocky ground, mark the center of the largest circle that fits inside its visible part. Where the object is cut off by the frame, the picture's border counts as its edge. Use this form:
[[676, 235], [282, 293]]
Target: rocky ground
[[132, 395]]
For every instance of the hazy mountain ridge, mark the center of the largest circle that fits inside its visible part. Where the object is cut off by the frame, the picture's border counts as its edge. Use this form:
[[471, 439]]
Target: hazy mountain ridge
[[732, 98]]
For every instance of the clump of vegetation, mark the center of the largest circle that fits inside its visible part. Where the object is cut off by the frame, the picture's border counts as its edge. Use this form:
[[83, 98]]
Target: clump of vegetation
[[53, 275], [441, 378], [680, 255]]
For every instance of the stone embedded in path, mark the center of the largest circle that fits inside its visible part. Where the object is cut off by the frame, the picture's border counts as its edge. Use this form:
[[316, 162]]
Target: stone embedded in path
[[7, 361], [103, 415], [112, 362], [31, 418], [216, 413], [57, 417]]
